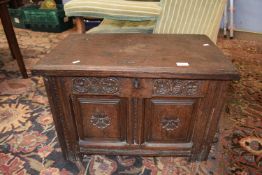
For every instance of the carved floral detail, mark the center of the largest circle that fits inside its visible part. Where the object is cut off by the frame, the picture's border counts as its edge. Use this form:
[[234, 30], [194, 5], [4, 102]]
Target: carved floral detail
[[170, 124], [176, 87], [100, 120], [95, 85]]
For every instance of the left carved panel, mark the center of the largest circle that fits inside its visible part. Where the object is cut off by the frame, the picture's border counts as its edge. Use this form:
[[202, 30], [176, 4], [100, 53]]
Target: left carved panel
[[94, 85], [100, 119]]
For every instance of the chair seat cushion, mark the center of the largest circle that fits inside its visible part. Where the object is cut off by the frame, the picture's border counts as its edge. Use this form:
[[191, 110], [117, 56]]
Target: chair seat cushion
[[114, 9], [121, 26]]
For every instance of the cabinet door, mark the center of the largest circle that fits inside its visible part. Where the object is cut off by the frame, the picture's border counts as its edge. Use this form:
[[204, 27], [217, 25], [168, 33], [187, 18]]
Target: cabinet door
[[169, 122], [100, 120]]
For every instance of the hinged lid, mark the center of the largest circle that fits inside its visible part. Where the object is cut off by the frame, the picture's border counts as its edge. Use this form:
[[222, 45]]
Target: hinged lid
[[138, 55]]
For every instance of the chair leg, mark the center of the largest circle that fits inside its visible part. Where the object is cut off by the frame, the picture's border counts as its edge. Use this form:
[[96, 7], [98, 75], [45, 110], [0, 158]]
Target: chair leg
[[11, 38], [231, 19], [80, 25], [225, 21]]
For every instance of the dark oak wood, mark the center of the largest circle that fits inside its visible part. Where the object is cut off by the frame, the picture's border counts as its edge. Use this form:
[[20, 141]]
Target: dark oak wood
[[100, 120], [15, 3], [144, 55], [11, 38], [125, 94], [169, 120]]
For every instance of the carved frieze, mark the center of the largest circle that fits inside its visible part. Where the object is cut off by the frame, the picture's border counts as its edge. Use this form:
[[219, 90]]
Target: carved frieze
[[93, 85], [100, 120], [170, 124], [169, 87]]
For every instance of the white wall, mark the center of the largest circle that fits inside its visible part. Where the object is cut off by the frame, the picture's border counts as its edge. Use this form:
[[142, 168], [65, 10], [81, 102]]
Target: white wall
[[248, 15]]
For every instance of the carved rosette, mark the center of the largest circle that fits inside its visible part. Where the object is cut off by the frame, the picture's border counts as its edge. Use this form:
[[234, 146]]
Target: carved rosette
[[170, 124], [93, 85], [169, 87], [100, 120]]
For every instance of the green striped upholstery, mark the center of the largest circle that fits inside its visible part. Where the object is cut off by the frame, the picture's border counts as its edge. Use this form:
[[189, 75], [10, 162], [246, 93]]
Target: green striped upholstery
[[191, 17], [114, 9], [123, 26]]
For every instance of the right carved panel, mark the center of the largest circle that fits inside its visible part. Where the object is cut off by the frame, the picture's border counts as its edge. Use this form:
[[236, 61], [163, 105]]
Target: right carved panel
[[169, 121], [173, 87]]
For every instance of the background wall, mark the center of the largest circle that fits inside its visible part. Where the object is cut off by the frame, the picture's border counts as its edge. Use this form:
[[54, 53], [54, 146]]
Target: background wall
[[248, 15]]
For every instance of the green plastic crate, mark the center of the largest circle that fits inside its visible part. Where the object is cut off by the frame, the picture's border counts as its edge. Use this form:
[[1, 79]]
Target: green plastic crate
[[18, 17], [48, 20]]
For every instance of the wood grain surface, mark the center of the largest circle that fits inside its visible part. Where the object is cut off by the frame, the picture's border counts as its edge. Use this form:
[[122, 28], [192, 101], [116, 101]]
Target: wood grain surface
[[146, 55]]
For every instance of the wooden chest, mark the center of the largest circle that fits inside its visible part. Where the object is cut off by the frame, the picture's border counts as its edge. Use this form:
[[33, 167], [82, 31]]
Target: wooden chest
[[136, 94]]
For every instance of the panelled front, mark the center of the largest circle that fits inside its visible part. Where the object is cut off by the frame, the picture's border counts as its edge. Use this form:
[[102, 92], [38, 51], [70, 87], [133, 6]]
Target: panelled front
[[100, 119], [106, 116], [168, 121]]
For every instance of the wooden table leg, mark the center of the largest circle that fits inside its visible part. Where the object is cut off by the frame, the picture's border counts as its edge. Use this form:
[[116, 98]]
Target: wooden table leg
[[11, 38], [80, 25]]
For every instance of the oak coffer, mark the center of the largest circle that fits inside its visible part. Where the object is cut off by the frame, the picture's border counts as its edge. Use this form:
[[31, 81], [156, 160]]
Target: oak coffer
[[136, 94]]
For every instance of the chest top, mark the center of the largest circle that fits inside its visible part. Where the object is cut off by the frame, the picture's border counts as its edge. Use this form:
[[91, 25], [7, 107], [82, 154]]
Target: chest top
[[140, 55]]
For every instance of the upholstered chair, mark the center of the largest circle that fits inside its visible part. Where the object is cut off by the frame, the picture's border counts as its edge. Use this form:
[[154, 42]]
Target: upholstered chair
[[166, 16]]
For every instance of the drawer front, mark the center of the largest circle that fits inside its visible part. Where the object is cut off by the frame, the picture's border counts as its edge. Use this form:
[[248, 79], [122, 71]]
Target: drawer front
[[95, 85], [137, 87], [179, 88], [100, 119], [169, 121]]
